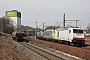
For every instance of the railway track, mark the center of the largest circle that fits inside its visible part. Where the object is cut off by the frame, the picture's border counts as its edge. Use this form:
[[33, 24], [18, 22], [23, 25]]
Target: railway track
[[79, 51], [47, 55], [87, 48]]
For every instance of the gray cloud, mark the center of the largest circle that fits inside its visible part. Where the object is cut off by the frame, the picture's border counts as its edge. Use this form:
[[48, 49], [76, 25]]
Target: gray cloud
[[48, 10]]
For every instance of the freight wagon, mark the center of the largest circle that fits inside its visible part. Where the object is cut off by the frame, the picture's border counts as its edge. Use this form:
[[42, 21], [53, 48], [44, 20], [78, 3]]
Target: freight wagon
[[48, 34], [18, 35], [40, 35]]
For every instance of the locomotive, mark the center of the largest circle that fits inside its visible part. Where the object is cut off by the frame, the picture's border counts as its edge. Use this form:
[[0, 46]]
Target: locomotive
[[69, 36]]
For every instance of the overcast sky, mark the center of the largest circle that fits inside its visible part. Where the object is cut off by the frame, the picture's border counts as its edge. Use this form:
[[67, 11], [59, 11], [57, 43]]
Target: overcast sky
[[49, 11]]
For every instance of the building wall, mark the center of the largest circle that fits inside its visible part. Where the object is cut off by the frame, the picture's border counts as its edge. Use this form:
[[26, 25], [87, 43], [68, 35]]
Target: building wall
[[14, 21], [15, 16], [19, 22]]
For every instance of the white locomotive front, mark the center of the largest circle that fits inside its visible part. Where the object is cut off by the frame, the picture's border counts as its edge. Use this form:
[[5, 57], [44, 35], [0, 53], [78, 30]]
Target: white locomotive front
[[70, 35]]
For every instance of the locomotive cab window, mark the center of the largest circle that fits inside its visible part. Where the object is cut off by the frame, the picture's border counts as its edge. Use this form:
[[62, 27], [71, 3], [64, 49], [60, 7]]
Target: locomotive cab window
[[77, 31], [58, 34], [69, 31]]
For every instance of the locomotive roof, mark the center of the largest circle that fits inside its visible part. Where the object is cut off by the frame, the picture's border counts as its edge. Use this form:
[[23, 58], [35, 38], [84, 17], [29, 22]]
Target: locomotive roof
[[49, 30], [66, 28]]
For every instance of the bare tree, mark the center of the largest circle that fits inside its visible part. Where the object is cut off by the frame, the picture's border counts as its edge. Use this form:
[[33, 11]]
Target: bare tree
[[6, 25], [88, 28], [52, 27]]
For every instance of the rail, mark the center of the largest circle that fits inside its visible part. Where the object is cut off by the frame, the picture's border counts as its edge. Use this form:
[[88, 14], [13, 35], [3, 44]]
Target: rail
[[43, 53]]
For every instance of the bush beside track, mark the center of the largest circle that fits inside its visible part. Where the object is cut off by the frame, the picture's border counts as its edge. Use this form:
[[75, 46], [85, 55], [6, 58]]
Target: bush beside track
[[9, 50]]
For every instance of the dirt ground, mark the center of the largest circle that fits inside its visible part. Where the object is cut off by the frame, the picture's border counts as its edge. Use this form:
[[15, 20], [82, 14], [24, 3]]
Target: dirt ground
[[8, 51], [87, 39]]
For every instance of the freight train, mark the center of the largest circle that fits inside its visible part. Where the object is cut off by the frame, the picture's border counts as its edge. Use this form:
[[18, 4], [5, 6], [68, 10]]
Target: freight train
[[69, 36], [18, 35]]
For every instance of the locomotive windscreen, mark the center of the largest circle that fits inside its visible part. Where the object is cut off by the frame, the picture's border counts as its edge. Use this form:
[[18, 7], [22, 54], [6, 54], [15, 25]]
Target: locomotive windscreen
[[77, 31]]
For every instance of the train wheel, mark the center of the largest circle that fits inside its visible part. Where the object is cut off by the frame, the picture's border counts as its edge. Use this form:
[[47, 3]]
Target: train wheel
[[68, 43], [60, 42], [55, 41], [52, 40]]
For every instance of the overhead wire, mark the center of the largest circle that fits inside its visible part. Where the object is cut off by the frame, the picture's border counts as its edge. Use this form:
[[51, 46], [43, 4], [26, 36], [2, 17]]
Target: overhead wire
[[87, 18]]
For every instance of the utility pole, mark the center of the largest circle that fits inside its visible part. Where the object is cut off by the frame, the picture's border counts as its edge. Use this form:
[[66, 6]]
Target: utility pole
[[68, 20], [64, 20], [36, 31], [43, 27], [76, 23]]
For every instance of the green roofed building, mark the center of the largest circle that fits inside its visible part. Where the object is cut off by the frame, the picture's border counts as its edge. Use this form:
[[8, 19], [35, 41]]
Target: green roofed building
[[15, 16]]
